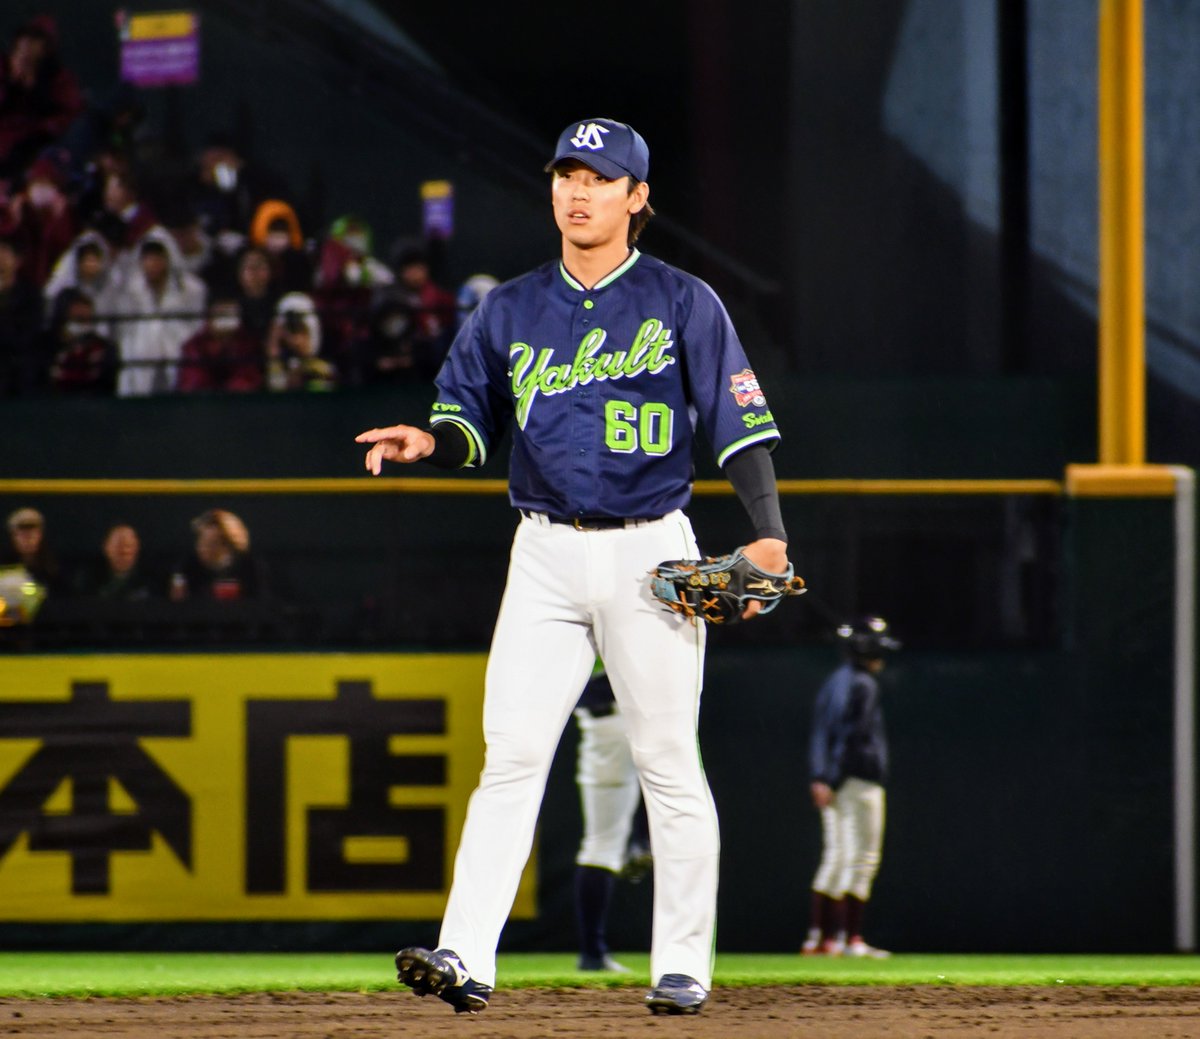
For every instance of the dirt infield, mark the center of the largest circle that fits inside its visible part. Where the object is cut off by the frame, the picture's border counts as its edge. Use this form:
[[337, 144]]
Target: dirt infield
[[794, 1012]]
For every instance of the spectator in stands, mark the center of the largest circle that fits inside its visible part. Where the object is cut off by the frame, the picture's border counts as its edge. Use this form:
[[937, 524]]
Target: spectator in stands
[[432, 307], [125, 218], [276, 230], [294, 360], [86, 266], [221, 357], [102, 138], [197, 251], [161, 306], [43, 218], [27, 547], [220, 565], [257, 294], [39, 97], [20, 319], [79, 358], [391, 353], [117, 575], [346, 260], [223, 195], [348, 277], [93, 190], [470, 295]]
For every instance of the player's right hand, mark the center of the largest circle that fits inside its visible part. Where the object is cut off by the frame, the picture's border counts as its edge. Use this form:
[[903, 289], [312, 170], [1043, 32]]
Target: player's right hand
[[395, 444], [822, 794]]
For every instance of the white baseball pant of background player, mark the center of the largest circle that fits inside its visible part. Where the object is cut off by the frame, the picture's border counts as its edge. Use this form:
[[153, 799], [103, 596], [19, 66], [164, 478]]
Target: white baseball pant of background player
[[852, 834], [608, 788], [572, 596]]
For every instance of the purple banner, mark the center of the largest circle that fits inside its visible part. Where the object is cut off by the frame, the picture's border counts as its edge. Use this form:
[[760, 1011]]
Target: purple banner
[[439, 217], [158, 63]]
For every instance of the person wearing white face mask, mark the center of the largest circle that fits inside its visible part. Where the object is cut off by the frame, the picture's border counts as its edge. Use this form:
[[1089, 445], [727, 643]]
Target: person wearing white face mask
[[276, 230], [222, 195], [81, 359], [346, 261], [45, 221], [223, 356]]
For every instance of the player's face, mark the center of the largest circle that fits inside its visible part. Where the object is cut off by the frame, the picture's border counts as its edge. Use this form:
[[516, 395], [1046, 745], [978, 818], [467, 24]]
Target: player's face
[[590, 210]]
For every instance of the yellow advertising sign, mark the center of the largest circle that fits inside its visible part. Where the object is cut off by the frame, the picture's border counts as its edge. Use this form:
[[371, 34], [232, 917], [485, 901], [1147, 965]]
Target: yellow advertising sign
[[246, 787], [164, 25]]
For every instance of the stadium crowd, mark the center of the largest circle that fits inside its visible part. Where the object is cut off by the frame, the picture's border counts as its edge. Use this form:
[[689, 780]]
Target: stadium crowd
[[121, 277]]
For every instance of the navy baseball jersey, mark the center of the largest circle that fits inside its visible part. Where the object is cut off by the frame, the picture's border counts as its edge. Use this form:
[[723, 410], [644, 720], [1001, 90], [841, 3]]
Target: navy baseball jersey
[[848, 736], [605, 387]]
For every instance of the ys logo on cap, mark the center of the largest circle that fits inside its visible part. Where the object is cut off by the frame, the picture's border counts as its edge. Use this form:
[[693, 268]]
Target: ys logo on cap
[[589, 136]]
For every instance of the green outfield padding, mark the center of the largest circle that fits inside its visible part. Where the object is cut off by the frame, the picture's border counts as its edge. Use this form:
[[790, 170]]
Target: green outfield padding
[[34, 975]]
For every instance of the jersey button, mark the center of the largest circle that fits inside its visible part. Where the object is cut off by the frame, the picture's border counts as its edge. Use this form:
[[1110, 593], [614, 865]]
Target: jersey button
[[588, 304]]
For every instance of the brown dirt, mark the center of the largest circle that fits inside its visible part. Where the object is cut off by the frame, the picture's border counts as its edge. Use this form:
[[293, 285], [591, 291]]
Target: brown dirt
[[794, 1012]]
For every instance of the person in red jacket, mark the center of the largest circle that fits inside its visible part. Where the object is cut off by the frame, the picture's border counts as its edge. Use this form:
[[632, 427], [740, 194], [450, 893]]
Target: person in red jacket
[[39, 97], [223, 356], [43, 218]]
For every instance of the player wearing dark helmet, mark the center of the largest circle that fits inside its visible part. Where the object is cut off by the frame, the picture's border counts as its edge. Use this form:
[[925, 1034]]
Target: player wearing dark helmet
[[848, 763]]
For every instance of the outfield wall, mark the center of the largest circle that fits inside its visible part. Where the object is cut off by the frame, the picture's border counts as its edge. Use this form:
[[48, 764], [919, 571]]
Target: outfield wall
[[1030, 808]]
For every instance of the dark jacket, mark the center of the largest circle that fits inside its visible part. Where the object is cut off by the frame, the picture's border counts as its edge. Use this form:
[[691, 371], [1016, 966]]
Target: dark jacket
[[848, 734]]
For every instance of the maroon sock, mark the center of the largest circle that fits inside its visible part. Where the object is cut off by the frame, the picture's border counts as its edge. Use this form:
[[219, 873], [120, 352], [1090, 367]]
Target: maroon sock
[[831, 916], [816, 910], [855, 908]]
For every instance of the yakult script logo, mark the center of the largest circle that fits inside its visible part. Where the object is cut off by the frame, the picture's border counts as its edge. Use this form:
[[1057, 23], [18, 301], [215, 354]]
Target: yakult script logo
[[589, 135], [532, 372]]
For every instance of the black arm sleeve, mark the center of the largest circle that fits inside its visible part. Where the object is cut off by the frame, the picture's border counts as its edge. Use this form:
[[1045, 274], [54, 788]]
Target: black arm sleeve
[[451, 449], [752, 474]]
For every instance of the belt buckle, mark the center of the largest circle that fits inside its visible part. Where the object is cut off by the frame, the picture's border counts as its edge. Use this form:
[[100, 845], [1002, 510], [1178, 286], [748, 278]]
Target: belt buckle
[[579, 526]]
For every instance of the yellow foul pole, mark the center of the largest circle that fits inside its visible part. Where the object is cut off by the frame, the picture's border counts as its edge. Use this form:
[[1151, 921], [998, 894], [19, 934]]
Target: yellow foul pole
[[1122, 257]]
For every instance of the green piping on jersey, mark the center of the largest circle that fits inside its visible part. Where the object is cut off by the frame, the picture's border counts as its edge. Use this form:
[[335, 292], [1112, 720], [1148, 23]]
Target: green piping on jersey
[[477, 454], [608, 279], [737, 445]]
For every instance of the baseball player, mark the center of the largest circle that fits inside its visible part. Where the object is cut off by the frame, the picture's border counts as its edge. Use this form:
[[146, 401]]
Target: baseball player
[[609, 796], [848, 760], [602, 363]]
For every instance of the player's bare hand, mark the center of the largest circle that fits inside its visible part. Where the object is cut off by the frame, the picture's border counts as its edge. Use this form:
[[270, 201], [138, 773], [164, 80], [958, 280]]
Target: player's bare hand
[[769, 554], [822, 794], [395, 444]]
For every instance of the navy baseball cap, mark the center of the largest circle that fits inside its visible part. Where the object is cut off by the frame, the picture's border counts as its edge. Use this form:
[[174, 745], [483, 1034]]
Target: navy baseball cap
[[614, 149]]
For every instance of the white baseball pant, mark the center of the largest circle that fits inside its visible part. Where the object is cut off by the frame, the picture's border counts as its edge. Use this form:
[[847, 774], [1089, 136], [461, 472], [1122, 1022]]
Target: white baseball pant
[[608, 789], [852, 832], [572, 596]]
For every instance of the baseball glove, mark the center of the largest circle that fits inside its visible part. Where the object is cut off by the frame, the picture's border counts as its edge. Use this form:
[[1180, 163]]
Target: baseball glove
[[718, 589]]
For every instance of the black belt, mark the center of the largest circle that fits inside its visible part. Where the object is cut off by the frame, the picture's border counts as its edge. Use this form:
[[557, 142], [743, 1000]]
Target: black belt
[[581, 522]]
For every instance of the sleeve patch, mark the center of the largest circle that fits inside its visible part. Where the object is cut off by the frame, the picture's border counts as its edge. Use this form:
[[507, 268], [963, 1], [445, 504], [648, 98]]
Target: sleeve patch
[[745, 389]]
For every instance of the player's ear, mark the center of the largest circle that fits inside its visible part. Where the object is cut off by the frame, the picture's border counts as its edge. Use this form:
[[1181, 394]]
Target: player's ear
[[638, 198]]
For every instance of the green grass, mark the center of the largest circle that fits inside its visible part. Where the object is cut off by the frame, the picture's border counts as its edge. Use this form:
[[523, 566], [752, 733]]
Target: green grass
[[159, 974]]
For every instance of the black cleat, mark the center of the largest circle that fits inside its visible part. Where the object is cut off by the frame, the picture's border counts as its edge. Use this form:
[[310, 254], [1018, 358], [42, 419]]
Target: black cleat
[[441, 973], [676, 994]]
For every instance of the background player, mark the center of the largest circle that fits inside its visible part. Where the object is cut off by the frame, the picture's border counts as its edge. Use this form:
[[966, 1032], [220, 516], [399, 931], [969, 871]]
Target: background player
[[604, 360], [609, 797], [848, 761]]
